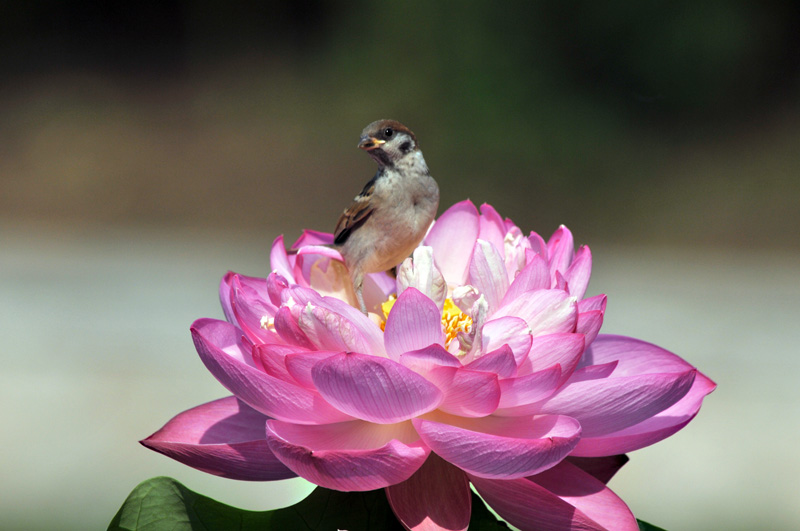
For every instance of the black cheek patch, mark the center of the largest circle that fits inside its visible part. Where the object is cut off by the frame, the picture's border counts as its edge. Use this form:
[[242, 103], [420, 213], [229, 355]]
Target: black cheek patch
[[405, 147]]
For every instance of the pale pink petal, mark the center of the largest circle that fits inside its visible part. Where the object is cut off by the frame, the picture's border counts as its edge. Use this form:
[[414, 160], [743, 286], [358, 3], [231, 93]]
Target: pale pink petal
[[501, 448], [510, 331], [313, 237], [546, 311], [225, 296], [219, 347], [611, 404], [452, 237], [350, 456], [420, 272], [436, 498], [651, 430], [467, 393], [601, 468], [299, 365], [422, 361], [534, 276], [329, 330], [224, 437], [322, 269], [516, 249], [589, 495], [251, 305], [560, 248], [547, 350], [487, 272], [279, 260], [530, 388], [500, 362], [415, 322], [374, 388], [343, 319], [289, 331], [579, 272], [492, 227]]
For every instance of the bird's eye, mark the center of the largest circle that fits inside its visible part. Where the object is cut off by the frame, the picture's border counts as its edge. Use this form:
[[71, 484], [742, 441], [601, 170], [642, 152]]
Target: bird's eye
[[388, 132]]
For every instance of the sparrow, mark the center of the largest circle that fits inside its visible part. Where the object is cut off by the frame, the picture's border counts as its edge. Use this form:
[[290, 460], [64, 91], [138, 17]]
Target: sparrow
[[392, 214]]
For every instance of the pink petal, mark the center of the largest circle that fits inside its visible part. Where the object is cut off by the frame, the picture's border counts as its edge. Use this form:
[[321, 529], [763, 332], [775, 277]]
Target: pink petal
[[530, 507], [500, 362], [299, 365], [218, 345], [589, 495], [502, 448], [289, 331], [546, 311], [510, 331], [492, 227], [225, 296], [437, 497], [275, 286], [562, 349], [579, 501], [593, 372], [601, 468], [589, 324], [579, 272], [422, 361], [224, 437], [560, 248], [452, 237], [250, 303], [651, 430], [375, 389], [466, 393], [415, 322], [634, 356], [538, 246], [313, 237], [329, 330], [534, 276], [279, 261], [271, 359], [487, 272], [348, 456], [607, 405], [344, 319], [598, 302], [530, 388]]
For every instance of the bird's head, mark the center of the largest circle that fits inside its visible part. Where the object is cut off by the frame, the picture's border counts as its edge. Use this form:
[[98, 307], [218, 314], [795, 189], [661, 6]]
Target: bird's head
[[388, 141]]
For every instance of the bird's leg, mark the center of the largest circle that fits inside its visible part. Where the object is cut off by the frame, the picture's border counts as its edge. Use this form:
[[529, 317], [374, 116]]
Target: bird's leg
[[358, 287], [360, 298]]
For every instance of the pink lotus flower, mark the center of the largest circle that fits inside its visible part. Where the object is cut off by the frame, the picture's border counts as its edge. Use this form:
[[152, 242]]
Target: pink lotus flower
[[487, 368]]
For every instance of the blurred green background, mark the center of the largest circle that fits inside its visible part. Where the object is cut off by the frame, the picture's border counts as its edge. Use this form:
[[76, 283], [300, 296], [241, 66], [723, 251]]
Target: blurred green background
[[147, 147], [656, 121]]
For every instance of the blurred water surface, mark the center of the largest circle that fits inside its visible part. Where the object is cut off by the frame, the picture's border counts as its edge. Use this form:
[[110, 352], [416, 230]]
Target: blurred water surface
[[96, 355]]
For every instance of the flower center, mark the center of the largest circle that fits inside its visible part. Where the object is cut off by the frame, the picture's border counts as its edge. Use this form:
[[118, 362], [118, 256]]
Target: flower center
[[453, 319]]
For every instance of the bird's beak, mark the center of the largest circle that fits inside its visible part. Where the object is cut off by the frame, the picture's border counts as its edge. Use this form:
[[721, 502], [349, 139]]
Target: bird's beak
[[368, 143]]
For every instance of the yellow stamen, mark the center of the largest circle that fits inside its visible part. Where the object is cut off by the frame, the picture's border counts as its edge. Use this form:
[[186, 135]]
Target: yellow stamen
[[453, 319]]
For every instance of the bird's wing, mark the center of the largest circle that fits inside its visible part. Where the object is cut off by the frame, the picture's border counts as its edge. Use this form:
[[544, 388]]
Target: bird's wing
[[355, 215]]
